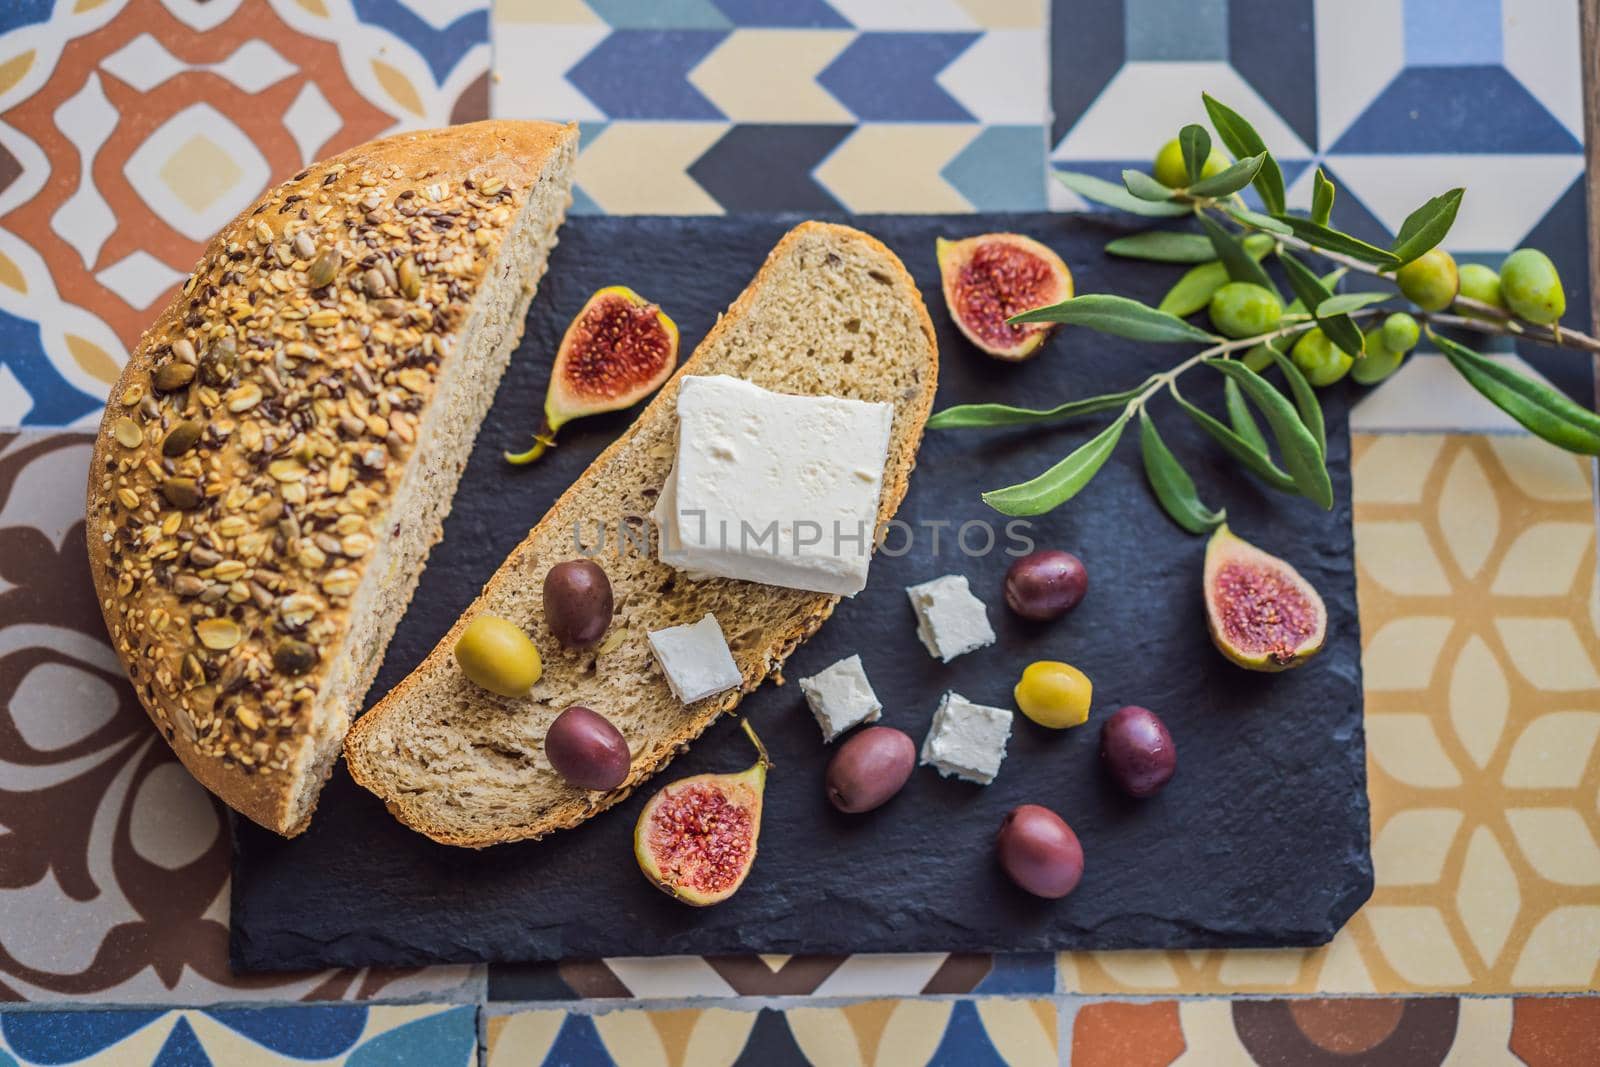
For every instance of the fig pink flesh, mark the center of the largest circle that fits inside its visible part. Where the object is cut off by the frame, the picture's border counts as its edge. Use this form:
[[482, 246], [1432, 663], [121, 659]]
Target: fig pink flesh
[[1000, 280], [701, 840], [613, 346], [1259, 610]]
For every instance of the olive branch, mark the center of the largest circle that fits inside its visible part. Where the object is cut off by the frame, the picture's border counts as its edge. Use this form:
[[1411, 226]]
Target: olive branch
[[1312, 341]]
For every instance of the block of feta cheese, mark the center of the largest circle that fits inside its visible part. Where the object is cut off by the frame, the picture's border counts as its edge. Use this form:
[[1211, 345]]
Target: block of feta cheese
[[695, 658], [950, 620], [841, 697], [967, 740], [773, 488]]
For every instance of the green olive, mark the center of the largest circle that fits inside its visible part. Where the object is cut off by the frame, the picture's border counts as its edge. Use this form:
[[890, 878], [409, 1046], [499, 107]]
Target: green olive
[[1430, 281], [1242, 309], [1170, 171], [1401, 332], [498, 656], [1378, 361], [1482, 284], [1531, 287], [1319, 359], [1258, 358]]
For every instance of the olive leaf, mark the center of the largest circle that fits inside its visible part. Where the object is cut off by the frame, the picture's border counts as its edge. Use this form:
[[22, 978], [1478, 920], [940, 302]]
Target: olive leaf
[[1244, 423], [1062, 482], [1113, 195], [1230, 181], [1196, 145], [1322, 196], [1426, 227], [1331, 240], [1305, 397], [1172, 485], [1255, 459], [1193, 291], [1241, 266], [1345, 303], [1119, 316], [1163, 246], [964, 416], [1313, 293], [1243, 140], [1255, 218], [1543, 410], [1145, 187], [1302, 456]]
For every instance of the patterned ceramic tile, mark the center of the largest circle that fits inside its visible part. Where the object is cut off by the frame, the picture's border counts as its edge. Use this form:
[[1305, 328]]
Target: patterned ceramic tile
[[114, 871], [131, 131], [350, 1035], [971, 1033], [1476, 576], [680, 977], [1316, 1032], [750, 105], [1397, 99]]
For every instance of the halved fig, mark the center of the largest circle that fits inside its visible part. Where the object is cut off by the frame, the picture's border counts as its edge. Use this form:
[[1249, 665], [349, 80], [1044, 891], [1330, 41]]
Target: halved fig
[[989, 278], [696, 838], [1262, 614], [618, 350]]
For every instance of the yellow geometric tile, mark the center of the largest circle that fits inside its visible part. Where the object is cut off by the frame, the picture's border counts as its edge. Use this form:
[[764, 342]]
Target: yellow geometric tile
[[1023, 1032], [1552, 751], [1407, 748], [548, 12], [635, 168], [1393, 469], [1548, 652], [1487, 895], [1480, 700], [1557, 843], [1005, 14], [1562, 952], [1468, 515], [1544, 559], [1404, 653], [895, 167], [1398, 557], [1417, 944], [1411, 846], [1544, 473], [522, 1039], [689, 1037], [770, 76]]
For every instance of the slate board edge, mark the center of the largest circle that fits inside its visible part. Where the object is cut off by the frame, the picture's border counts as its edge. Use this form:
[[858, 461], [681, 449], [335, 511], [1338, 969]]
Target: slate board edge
[[357, 949]]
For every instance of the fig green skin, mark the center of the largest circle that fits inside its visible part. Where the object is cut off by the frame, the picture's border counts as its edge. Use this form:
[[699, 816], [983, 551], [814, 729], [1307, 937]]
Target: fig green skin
[[1430, 281], [1531, 287], [1170, 171], [869, 769], [1319, 359], [1379, 361], [577, 602], [1482, 284], [1401, 332], [1242, 309]]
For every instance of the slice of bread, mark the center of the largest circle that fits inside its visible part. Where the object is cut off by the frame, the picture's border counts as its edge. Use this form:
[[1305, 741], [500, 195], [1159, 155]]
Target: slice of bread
[[282, 448], [832, 312]]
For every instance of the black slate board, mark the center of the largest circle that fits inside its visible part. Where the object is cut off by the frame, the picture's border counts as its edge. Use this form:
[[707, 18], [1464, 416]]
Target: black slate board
[[1260, 840]]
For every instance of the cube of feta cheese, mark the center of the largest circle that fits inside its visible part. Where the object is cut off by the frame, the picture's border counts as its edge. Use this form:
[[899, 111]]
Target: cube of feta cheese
[[695, 658], [841, 697], [967, 740], [950, 620], [773, 488]]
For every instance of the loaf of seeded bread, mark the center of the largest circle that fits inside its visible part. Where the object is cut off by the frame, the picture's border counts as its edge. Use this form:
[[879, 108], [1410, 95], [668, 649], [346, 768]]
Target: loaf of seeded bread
[[832, 312], [281, 450]]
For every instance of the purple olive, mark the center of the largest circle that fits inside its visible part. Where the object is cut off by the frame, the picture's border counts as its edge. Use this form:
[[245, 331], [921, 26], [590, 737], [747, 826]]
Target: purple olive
[[869, 768], [577, 602], [587, 750], [1138, 751], [1046, 584], [1039, 851]]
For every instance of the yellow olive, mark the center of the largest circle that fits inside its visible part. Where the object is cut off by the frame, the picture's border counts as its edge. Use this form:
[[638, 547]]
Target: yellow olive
[[1531, 287], [1054, 694], [498, 655], [1430, 281]]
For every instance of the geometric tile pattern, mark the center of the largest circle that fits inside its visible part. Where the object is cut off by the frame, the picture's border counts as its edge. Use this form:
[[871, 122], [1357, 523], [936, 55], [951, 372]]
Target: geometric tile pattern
[[349, 1035], [828, 105], [1476, 576], [130, 133], [1319, 1032], [1021, 1033], [1396, 99]]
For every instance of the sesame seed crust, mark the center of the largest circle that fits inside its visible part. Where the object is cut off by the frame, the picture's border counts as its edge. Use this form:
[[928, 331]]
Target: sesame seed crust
[[249, 452]]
